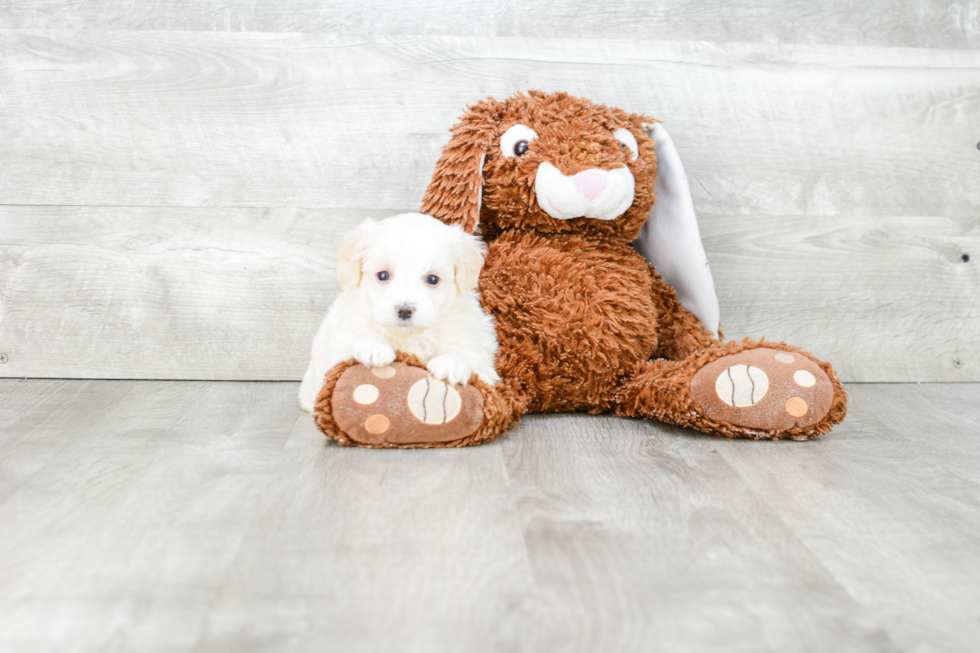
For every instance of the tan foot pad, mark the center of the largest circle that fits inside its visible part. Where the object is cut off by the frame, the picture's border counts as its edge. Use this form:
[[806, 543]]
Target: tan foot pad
[[403, 404], [763, 389]]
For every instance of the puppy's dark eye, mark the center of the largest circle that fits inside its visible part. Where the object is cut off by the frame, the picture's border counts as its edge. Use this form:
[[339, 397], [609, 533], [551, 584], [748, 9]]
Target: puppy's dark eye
[[432, 280], [520, 148], [383, 276]]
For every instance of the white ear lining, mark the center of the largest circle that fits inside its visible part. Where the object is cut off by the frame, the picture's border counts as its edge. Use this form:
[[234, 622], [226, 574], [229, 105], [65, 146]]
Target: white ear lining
[[671, 240], [479, 194]]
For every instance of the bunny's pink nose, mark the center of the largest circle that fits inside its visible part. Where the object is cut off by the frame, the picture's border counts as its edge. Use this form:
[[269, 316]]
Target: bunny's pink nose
[[591, 182]]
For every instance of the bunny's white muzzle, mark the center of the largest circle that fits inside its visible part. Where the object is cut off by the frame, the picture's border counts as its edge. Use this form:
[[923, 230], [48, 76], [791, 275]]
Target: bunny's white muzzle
[[594, 193]]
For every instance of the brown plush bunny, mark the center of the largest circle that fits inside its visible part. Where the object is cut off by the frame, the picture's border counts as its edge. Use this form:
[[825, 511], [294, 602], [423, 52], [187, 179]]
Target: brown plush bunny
[[559, 187]]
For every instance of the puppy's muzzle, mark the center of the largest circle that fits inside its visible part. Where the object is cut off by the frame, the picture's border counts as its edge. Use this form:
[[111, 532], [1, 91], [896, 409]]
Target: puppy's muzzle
[[405, 312]]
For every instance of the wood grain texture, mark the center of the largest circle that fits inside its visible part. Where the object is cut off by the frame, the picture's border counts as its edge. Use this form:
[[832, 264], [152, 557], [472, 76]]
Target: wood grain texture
[[130, 506], [365, 552], [882, 299], [212, 516], [165, 292], [919, 411], [266, 120], [910, 23], [836, 187], [37, 415], [642, 538]]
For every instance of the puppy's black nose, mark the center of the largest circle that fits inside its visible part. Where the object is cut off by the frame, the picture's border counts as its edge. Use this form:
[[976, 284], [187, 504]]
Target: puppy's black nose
[[405, 311]]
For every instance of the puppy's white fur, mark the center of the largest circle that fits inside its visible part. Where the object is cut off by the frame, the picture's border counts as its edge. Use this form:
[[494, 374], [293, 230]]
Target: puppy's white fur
[[447, 328]]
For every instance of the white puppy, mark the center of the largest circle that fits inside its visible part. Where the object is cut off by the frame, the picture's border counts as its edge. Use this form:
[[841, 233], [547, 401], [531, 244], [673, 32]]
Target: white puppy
[[408, 285]]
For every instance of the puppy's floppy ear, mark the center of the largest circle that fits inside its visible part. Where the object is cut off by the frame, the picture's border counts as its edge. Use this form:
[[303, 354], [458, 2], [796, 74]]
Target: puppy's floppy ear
[[351, 255], [468, 260], [456, 190]]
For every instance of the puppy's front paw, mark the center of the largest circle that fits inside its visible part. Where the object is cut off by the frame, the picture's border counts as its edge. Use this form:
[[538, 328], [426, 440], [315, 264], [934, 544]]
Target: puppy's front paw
[[373, 353], [451, 368]]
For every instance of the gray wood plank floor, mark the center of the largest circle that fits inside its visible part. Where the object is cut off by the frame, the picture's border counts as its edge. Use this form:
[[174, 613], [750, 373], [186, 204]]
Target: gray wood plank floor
[[212, 516]]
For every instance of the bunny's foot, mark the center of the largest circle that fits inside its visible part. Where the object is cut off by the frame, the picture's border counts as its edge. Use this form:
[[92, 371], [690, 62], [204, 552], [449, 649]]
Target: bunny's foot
[[764, 389], [740, 390], [402, 405]]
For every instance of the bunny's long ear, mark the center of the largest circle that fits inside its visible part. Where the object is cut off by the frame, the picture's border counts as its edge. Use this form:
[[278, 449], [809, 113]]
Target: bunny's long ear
[[456, 190], [670, 239]]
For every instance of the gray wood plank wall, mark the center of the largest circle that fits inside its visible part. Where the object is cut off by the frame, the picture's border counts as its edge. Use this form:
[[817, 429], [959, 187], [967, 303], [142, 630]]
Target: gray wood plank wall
[[175, 175]]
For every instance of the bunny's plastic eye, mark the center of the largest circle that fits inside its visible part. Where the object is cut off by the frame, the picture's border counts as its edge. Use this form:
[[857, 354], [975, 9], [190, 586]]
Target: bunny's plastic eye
[[432, 280], [516, 140], [383, 275]]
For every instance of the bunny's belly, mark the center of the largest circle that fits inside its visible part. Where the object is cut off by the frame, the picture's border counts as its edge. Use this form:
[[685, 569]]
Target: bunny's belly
[[573, 316]]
